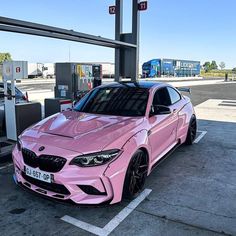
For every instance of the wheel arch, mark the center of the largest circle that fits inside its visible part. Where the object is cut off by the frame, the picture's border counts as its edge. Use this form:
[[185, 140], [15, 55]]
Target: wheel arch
[[185, 116], [139, 141], [144, 149], [141, 176], [189, 140]]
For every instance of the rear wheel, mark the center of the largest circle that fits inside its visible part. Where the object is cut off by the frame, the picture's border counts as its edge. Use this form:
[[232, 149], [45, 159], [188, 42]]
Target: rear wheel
[[192, 131], [136, 175]]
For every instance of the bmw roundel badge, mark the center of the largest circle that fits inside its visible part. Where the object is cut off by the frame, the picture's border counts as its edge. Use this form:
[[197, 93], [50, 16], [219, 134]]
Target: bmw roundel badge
[[41, 148]]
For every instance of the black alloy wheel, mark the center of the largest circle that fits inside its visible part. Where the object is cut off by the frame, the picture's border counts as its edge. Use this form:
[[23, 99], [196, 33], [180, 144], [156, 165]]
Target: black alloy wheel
[[192, 131], [136, 175]]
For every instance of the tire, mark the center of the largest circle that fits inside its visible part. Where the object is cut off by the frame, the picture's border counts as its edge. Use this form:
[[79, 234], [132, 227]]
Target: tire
[[136, 175], [192, 131]]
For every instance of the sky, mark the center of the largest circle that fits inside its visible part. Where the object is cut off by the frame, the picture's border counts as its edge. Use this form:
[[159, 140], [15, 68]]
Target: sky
[[202, 30]]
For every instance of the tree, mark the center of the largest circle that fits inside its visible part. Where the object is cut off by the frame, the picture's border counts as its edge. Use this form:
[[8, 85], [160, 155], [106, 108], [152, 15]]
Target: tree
[[222, 65], [234, 69], [214, 65], [5, 57], [207, 66]]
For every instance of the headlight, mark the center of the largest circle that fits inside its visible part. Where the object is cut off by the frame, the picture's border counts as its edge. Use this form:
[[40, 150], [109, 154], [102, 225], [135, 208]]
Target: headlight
[[95, 159], [18, 144]]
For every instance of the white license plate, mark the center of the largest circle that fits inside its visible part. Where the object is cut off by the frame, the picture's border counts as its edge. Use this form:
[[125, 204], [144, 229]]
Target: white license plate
[[38, 174]]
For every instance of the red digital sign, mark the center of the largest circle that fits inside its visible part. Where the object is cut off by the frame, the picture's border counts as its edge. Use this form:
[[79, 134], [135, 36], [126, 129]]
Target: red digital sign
[[142, 6], [112, 10]]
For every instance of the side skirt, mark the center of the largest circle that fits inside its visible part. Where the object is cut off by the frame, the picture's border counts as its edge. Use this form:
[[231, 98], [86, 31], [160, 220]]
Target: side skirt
[[165, 156]]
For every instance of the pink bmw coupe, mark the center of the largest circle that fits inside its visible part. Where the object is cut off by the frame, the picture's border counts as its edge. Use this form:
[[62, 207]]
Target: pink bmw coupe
[[107, 145]]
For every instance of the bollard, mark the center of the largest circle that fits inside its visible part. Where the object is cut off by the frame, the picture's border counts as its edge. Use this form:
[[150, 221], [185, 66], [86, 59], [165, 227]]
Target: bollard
[[226, 77]]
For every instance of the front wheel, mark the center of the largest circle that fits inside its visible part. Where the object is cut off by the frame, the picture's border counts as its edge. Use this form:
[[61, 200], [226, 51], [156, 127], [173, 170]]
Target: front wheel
[[136, 175], [192, 131]]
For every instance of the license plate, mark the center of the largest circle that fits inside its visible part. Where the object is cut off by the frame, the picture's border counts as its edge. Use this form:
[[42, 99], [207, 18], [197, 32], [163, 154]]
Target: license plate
[[38, 174]]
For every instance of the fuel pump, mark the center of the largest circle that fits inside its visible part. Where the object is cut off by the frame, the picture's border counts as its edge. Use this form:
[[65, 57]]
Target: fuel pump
[[73, 81], [11, 72], [74, 78], [17, 115]]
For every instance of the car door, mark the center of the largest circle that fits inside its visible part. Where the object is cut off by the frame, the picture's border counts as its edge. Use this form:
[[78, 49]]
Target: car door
[[163, 128]]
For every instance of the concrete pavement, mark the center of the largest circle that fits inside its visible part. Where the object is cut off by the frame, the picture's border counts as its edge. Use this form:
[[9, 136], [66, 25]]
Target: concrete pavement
[[193, 191]]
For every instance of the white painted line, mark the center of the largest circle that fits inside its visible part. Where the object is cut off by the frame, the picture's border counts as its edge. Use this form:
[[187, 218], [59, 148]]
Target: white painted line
[[203, 133], [126, 211], [83, 225], [110, 226], [3, 167]]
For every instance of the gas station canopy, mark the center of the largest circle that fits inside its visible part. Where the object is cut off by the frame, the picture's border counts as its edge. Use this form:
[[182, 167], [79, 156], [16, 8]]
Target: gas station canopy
[[25, 27], [126, 45]]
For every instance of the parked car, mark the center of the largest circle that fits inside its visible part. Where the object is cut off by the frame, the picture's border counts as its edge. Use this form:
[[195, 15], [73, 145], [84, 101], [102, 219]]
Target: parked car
[[20, 97], [105, 148]]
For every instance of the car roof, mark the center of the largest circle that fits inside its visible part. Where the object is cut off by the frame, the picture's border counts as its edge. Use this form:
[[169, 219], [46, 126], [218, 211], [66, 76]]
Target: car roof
[[140, 84]]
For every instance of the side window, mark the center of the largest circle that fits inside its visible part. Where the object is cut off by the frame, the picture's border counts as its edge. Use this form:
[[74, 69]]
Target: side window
[[162, 97], [174, 95]]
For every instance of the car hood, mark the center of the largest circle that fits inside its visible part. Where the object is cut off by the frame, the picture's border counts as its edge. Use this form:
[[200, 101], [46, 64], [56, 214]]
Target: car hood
[[82, 132]]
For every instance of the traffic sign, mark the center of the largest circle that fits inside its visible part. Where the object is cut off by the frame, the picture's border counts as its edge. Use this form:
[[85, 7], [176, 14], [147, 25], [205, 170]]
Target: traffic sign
[[142, 6], [112, 10]]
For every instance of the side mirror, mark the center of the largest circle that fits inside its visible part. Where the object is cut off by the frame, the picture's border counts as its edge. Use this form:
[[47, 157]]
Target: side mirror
[[159, 110]]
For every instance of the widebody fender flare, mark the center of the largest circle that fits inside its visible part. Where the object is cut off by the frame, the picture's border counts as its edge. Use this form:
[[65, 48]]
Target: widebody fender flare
[[137, 141]]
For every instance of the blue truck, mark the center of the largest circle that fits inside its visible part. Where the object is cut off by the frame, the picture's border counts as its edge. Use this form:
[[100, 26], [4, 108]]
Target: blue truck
[[170, 67]]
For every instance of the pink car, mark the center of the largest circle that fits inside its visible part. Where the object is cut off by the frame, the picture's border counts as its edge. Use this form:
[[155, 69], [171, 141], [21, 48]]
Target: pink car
[[106, 147]]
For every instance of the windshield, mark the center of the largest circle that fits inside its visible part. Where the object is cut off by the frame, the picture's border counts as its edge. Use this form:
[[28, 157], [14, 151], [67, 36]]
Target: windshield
[[146, 66], [120, 101]]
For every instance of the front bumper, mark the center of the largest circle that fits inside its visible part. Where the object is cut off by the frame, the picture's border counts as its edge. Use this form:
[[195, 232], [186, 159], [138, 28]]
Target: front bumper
[[80, 185]]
